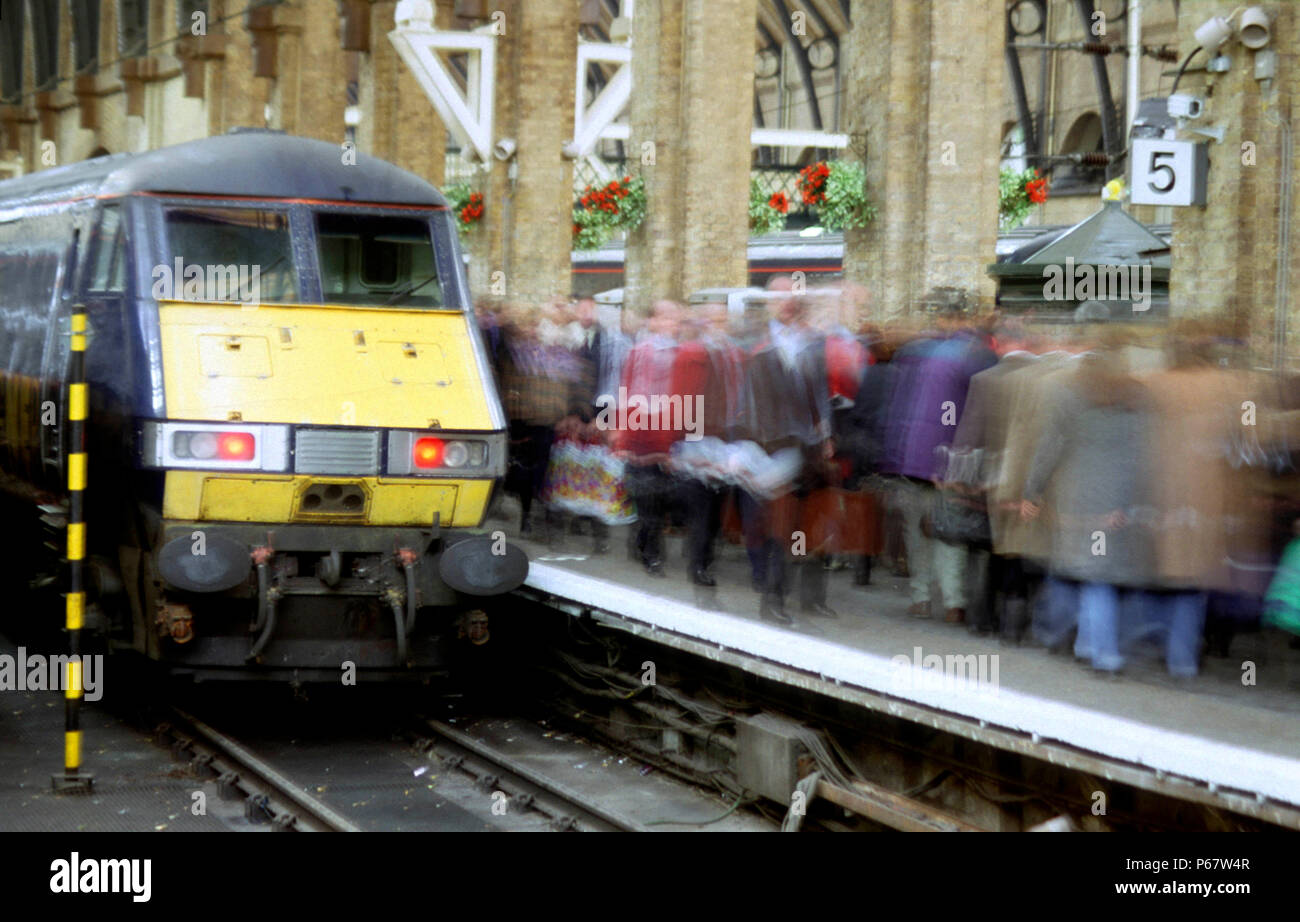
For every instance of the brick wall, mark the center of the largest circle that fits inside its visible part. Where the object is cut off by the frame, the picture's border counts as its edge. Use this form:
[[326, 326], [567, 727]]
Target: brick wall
[[1226, 255]]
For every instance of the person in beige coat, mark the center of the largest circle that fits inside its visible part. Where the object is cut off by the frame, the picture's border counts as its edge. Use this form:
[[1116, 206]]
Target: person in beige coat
[[1201, 511]]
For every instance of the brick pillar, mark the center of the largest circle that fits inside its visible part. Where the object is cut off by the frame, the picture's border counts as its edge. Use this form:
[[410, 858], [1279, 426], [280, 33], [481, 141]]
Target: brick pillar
[[285, 86], [322, 73], [399, 123], [112, 133], [1225, 256], [526, 230], [923, 92], [310, 90], [691, 116], [237, 98]]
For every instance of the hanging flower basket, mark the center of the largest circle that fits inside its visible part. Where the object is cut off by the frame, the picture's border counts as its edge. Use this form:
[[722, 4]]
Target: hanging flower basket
[[838, 190], [601, 211], [1018, 193], [465, 204], [766, 213]]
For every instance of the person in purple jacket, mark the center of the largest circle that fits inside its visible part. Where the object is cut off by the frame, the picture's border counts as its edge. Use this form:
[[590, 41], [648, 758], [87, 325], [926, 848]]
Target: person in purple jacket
[[931, 376]]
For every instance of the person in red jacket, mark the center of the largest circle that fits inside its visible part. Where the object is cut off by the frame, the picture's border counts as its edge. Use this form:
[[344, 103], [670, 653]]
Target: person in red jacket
[[707, 376], [647, 429]]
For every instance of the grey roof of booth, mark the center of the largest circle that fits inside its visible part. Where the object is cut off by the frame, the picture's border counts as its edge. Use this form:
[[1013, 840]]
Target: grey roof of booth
[[1110, 237]]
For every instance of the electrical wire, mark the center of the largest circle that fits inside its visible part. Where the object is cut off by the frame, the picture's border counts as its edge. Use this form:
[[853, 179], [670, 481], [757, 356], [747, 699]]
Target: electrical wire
[[1182, 67], [730, 705], [730, 810], [805, 791]]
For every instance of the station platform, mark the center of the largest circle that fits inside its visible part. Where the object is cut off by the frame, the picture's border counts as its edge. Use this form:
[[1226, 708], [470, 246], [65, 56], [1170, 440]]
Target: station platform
[[1210, 739], [137, 787]]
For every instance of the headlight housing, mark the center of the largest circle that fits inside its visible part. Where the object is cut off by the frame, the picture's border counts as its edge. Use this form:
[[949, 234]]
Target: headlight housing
[[215, 446], [446, 454]]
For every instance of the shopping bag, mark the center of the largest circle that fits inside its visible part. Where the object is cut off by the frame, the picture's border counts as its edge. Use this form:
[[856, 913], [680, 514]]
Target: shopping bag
[[587, 480]]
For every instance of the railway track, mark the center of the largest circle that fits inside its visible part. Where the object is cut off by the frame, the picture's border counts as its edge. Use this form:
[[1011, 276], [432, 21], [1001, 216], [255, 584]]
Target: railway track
[[272, 799], [269, 796], [526, 789]]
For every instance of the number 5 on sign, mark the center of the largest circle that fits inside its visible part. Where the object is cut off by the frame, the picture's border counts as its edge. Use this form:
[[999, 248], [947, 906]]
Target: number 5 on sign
[[1168, 172]]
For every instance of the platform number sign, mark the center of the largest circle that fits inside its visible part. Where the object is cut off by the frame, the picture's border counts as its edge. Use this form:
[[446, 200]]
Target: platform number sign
[[1168, 172]]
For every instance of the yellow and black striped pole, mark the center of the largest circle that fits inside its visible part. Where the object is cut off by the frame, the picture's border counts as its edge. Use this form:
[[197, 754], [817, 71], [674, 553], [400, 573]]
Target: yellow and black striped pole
[[78, 403]]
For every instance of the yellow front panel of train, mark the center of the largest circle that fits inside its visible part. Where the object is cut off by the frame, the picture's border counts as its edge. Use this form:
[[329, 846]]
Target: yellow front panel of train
[[329, 365], [390, 501]]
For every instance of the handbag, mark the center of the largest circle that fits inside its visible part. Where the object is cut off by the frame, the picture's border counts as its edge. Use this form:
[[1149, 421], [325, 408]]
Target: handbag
[[961, 514]]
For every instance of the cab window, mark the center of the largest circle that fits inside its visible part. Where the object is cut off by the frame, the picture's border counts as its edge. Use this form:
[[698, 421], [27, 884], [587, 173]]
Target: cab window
[[377, 259], [109, 270], [228, 254]]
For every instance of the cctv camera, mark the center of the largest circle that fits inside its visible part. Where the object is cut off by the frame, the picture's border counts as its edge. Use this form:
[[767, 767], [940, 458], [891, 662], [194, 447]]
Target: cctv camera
[[1184, 105], [504, 149], [1253, 28], [1213, 33]]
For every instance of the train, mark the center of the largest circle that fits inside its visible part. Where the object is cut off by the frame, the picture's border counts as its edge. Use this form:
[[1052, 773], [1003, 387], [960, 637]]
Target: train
[[293, 430]]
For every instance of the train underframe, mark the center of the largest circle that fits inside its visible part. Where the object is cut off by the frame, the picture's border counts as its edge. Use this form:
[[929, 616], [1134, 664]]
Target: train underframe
[[310, 603]]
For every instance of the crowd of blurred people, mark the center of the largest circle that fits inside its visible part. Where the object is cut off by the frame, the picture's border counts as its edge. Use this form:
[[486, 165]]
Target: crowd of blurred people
[[1092, 487]]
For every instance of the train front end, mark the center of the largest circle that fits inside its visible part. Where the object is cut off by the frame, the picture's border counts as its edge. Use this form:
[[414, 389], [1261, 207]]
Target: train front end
[[331, 441]]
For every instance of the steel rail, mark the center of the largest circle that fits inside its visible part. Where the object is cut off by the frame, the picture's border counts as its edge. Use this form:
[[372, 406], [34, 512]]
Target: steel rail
[[569, 808], [237, 765]]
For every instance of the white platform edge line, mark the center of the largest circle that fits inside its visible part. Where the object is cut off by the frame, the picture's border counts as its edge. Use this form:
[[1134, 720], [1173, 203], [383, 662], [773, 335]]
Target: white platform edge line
[[1094, 731]]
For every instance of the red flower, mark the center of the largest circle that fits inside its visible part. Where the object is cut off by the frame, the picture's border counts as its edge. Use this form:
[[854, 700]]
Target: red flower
[[1036, 189], [779, 202], [812, 183]]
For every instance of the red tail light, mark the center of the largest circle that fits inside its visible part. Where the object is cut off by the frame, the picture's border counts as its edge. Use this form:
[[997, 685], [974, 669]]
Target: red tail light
[[236, 446], [204, 446], [427, 453]]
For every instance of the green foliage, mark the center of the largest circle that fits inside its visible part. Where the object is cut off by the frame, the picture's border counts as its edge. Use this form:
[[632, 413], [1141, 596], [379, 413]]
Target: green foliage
[[1018, 193], [843, 202], [766, 214], [601, 211], [466, 205]]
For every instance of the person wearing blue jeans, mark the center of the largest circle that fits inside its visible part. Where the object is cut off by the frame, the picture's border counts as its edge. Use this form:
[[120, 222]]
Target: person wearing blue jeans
[[1091, 453], [1180, 616], [1056, 611], [1186, 613], [1098, 637]]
